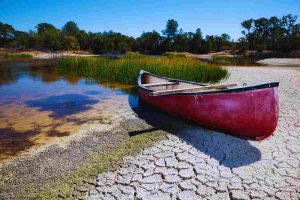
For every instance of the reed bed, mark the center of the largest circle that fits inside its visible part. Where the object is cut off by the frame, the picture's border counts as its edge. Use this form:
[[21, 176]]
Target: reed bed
[[125, 70], [234, 60], [175, 54], [17, 55]]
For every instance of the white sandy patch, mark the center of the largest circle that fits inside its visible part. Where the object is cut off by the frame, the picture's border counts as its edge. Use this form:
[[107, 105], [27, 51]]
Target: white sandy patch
[[281, 61]]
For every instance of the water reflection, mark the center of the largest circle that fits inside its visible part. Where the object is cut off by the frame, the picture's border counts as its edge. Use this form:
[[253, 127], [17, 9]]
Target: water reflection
[[12, 141], [39, 105], [63, 105], [93, 92]]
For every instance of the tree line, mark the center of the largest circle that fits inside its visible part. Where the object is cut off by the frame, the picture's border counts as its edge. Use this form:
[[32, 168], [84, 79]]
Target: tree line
[[261, 34], [277, 34]]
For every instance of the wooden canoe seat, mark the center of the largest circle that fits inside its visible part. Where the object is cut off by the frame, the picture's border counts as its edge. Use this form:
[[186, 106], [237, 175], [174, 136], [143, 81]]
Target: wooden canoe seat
[[208, 87], [160, 84]]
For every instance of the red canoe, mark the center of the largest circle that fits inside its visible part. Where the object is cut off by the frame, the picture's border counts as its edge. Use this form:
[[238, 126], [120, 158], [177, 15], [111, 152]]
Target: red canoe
[[249, 111]]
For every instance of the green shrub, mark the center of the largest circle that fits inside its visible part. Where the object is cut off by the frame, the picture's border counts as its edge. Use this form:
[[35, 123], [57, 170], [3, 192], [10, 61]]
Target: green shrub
[[174, 54], [17, 55], [233, 60], [131, 54]]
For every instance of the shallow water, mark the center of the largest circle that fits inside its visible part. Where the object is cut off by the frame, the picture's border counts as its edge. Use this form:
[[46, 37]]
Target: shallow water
[[39, 106]]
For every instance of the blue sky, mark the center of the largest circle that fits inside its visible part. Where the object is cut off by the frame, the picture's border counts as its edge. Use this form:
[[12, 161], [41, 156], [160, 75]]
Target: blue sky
[[132, 17]]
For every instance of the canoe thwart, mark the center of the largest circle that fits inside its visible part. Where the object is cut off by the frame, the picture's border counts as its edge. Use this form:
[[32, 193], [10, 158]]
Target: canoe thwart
[[208, 87], [160, 84]]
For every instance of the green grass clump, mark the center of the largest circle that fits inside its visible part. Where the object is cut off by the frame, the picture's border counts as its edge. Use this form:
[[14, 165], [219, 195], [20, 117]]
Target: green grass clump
[[222, 59], [131, 54], [174, 54], [233, 60], [125, 70], [17, 55]]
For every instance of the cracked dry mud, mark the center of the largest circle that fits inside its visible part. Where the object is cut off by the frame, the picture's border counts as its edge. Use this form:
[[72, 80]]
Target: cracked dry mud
[[201, 164]]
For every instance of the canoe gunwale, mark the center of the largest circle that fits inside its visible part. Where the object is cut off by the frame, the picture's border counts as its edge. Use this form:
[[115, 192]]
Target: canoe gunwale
[[229, 90]]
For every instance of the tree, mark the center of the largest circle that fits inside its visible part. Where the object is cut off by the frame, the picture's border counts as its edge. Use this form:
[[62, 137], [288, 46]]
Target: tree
[[295, 37], [289, 22], [261, 33], [149, 42], [171, 29], [44, 27], [21, 40], [225, 42], [275, 34], [51, 39], [247, 24], [6, 33], [181, 42], [110, 42], [225, 37], [71, 28], [82, 38], [281, 35], [196, 43], [70, 43], [170, 34]]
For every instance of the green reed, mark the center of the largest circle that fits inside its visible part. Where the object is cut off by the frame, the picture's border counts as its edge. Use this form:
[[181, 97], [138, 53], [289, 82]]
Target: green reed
[[174, 54], [17, 55], [234, 60], [126, 69]]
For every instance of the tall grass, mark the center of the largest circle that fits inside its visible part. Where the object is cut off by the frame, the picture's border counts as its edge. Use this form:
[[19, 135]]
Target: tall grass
[[234, 60], [17, 55], [174, 54], [126, 69]]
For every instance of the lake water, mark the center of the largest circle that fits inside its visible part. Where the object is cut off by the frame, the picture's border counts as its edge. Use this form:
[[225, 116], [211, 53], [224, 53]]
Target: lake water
[[38, 105]]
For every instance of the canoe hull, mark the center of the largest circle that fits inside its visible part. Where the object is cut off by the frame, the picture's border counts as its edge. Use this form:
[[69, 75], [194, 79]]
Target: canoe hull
[[251, 114]]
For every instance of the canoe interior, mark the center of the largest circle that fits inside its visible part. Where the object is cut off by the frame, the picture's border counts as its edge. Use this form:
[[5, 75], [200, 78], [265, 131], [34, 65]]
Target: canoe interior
[[150, 79]]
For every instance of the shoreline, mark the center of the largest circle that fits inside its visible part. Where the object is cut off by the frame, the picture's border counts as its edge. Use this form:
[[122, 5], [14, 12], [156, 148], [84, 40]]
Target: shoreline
[[289, 62], [54, 165]]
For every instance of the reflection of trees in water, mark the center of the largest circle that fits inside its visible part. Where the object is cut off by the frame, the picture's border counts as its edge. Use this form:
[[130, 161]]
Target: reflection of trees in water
[[7, 75], [44, 70]]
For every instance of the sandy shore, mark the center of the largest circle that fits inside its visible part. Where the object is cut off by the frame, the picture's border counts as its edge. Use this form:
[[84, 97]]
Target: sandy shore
[[281, 62], [203, 164], [59, 55], [208, 56], [36, 54], [190, 163]]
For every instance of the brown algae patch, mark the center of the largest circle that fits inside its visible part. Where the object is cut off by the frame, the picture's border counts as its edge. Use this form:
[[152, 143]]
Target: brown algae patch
[[12, 142], [23, 128]]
